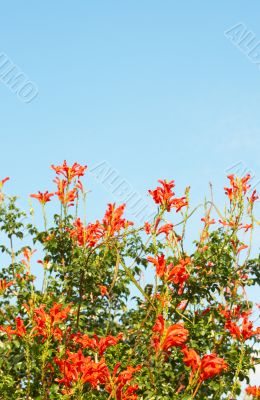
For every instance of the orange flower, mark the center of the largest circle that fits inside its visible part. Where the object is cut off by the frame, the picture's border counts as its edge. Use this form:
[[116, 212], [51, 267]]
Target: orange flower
[[242, 247], [165, 338], [244, 184], [211, 365], [28, 253], [78, 368], [43, 197], [179, 274], [103, 290], [129, 393], [253, 391], [160, 264], [120, 383], [233, 329], [112, 221], [89, 235], [246, 227], [238, 187], [253, 197], [182, 305], [147, 228], [227, 223], [244, 332], [75, 171], [98, 345], [45, 263], [46, 322], [2, 182], [163, 195], [162, 299], [207, 220], [179, 203], [80, 186], [65, 196], [8, 330], [247, 329], [175, 335], [20, 328], [167, 228], [19, 331], [191, 359], [92, 233], [4, 285], [159, 325]]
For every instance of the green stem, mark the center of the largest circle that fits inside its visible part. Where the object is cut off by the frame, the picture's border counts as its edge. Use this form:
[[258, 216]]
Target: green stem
[[43, 369], [44, 284], [134, 281], [239, 367], [28, 370]]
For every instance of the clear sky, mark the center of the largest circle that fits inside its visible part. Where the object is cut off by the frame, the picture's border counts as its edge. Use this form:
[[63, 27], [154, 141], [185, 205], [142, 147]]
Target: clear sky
[[154, 88]]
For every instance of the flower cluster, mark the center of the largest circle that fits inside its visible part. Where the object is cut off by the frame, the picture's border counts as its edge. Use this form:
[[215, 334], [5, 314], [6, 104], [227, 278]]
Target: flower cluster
[[4, 285], [76, 368], [177, 274], [166, 337], [208, 366], [125, 312], [67, 186], [243, 332], [97, 345], [253, 391], [164, 196], [91, 234]]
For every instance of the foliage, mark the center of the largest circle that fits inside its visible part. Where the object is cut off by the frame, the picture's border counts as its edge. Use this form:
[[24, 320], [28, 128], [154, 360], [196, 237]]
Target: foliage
[[187, 334]]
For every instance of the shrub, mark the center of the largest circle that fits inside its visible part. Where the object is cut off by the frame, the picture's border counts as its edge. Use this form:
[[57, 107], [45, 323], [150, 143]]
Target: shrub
[[187, 334]]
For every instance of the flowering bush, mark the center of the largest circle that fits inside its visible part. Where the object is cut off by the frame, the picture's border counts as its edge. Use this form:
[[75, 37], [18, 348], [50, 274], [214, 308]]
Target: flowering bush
[[189, 333]]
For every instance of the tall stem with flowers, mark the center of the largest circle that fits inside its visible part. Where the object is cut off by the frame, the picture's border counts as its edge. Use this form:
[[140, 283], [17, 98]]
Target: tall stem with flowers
[[95, 330]]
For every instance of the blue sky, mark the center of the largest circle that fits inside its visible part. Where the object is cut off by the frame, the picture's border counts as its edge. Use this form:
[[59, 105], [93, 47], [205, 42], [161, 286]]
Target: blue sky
[[154, 88]]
